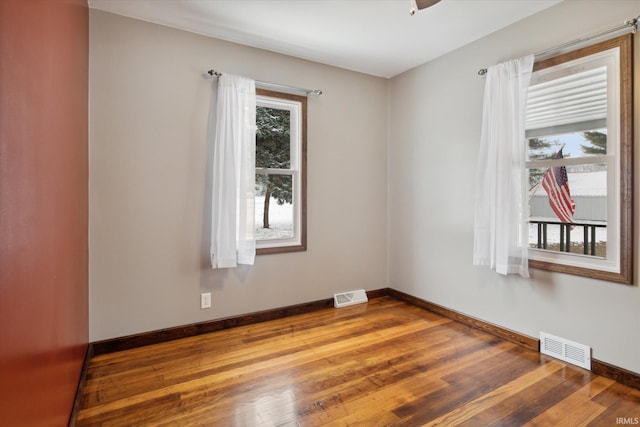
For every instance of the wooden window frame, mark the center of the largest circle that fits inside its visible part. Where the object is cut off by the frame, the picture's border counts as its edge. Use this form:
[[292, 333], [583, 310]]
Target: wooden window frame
[[625, 272], [302, 246]]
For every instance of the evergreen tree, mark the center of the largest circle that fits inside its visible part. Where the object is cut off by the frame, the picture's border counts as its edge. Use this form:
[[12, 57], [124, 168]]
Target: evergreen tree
[[273, 151], [538, 150], [597, 141]]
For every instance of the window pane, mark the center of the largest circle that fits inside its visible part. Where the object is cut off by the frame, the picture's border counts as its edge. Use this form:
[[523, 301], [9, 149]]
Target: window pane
[[273, 140], [280, 172], [588, 188], [274, 207], [576, 144]]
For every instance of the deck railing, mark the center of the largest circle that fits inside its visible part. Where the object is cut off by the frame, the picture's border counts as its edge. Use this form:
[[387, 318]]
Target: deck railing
[[589, 233]]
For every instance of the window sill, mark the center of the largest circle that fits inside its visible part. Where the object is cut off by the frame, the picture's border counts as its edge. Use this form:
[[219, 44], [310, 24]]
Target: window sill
[[280, 249]]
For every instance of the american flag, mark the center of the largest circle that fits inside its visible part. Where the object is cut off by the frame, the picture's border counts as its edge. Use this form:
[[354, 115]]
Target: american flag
[[556, 184]]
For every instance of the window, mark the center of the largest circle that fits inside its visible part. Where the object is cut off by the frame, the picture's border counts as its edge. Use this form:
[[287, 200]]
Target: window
[[281, 157], [580, 159]]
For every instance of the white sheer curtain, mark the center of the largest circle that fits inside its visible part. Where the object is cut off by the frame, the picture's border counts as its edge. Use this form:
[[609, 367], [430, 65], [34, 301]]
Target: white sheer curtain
[[232, 131], [500, 229]]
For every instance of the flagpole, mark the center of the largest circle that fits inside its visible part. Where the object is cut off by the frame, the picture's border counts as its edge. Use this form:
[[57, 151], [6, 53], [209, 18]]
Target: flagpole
[[535, 187]]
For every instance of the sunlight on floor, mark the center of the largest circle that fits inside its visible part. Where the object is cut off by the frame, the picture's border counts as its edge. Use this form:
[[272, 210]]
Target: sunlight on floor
[[274, 408]]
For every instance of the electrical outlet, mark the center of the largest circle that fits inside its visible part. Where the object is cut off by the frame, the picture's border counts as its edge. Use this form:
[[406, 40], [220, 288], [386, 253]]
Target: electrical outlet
[[205, 300]]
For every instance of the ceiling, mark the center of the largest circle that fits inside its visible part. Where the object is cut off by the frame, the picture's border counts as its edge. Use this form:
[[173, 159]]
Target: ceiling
[[376, 37]]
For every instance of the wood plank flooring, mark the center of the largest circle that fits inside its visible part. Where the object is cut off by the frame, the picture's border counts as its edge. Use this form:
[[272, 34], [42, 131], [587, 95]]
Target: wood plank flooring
[[385, 363]]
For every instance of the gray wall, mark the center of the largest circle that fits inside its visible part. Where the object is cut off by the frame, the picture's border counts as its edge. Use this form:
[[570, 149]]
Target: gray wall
[[149, 201], [435, 119]]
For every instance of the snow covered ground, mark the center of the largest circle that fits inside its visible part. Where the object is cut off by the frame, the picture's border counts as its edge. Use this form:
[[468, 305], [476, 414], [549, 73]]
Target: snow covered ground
[[280, 219]]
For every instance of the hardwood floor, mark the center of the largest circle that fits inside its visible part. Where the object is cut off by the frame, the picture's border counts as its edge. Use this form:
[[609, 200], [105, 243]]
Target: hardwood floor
[[385, 363]]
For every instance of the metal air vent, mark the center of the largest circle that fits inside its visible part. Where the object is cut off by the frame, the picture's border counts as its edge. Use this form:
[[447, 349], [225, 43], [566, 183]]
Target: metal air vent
[[349, 298], [565, 350]]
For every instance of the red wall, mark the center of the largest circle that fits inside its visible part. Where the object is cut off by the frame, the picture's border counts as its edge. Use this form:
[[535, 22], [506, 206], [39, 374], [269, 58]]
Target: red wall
[[43, 208]]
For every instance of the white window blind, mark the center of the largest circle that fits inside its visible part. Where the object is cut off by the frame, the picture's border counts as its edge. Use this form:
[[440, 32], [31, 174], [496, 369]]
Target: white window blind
[[571, 103]]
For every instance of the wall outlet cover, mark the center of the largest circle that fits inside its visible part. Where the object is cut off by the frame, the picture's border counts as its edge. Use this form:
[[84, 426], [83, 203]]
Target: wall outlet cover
[[205, 300]]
